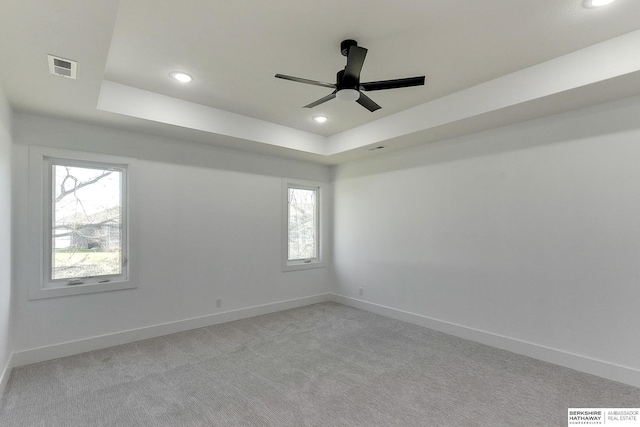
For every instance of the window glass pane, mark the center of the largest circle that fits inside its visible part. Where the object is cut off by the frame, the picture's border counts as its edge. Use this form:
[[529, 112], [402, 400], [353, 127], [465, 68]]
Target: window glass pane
[[303, 224], [86, 222]]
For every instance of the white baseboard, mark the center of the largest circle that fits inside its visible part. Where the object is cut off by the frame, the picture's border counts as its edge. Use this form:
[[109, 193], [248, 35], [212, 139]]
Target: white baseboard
[[4, 376], [41, 354], [622, 374], [588, 365]]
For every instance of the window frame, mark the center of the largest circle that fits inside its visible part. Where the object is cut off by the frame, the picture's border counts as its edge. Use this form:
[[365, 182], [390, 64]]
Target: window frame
[[41, 228], [320, 259]]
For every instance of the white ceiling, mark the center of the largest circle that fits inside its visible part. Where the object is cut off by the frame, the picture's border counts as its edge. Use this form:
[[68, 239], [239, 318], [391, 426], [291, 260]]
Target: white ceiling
[[487, 64]]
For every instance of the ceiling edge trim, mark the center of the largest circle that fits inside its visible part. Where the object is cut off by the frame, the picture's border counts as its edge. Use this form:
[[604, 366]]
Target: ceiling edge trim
[[597, 63], [130, 101], [600, 62]]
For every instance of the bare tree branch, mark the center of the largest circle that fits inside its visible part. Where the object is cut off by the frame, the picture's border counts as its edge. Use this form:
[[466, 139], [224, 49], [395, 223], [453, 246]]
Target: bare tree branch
[[78, 185]]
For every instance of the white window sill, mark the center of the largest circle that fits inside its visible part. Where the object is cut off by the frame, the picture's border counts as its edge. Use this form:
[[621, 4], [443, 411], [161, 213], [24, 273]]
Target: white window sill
[[87, 288], [301, 265]]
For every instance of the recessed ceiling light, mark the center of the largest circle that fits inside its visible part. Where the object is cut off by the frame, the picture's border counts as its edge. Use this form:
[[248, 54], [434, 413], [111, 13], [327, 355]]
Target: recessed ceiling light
[[320, 119], [597, 3], [180, 76]]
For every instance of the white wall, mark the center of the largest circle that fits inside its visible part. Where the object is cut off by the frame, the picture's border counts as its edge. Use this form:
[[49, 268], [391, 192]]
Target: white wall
[[529, 233], [209, 228], [5, 241]]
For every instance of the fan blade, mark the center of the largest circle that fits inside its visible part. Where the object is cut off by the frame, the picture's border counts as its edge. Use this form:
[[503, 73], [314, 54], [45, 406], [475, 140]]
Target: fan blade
[[355, 61], [322, 100], [307, 81], [393, 84], [367, 103]]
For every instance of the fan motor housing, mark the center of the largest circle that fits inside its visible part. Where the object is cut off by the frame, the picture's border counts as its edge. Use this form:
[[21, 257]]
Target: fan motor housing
[[342, 83]]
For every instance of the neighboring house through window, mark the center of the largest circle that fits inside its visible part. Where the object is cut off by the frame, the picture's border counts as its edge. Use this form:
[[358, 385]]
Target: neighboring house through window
[[84, 223]]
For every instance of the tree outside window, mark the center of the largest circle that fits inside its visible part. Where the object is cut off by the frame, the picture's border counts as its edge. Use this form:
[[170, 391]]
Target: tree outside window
[[302, 223], [87, 222]]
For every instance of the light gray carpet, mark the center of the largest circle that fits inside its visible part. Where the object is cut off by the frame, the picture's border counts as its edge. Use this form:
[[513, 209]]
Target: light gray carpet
[[321, 365]]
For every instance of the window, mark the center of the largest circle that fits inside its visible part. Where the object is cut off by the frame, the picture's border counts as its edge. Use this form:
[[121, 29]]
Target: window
[[86, 223], [82, 225], [302, 225]]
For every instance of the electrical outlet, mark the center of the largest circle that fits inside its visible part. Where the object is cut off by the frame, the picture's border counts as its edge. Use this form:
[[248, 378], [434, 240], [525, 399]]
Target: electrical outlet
[[361, 291], [218, 302]]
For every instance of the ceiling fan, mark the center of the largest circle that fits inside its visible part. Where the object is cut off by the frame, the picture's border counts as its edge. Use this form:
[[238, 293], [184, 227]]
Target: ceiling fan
[[348, 86]]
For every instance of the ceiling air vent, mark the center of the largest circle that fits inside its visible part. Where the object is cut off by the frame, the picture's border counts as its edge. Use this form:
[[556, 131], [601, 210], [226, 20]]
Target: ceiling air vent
[[63, 67]]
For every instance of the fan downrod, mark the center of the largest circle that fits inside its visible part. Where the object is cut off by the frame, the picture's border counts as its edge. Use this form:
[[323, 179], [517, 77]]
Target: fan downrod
[[345, 45]]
